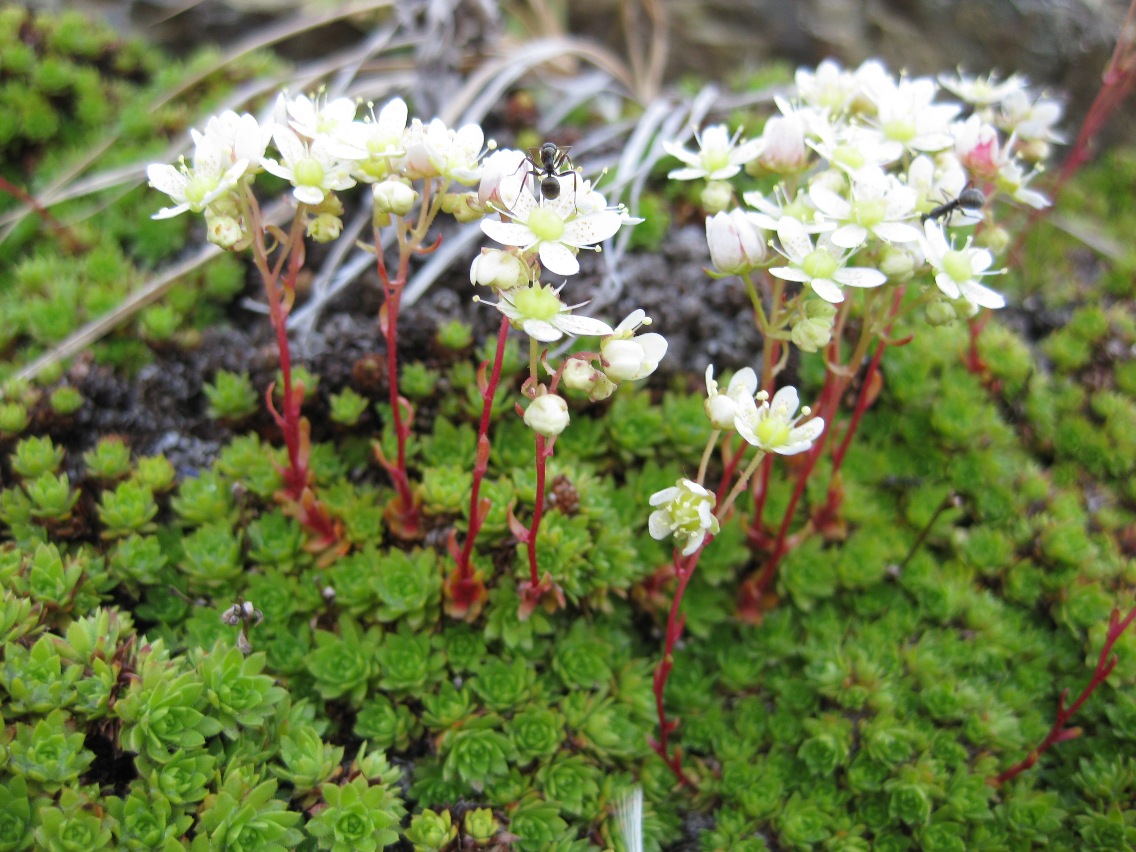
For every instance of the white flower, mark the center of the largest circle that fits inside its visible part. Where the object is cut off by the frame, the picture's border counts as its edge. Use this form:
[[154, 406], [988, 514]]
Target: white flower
[[553, 228], [538, 311], [983, 91], [719, 156], [771, 210], [878, 206], [320, 117], [1012, 180], [773, 427], [547, 415], [1030, 120], [241, 138], [503, 175], [214, 174], [908, 119], [721, 408], [687, 513], [852, 147], [628, 358], [393, 196], [311, 169], [736, 243], [821, 268], [373, 144], [829, 87], [959, 270], [455, 153]]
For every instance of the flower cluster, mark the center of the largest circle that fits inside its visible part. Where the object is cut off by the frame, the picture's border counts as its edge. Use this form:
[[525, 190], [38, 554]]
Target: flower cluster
[[874, 162]]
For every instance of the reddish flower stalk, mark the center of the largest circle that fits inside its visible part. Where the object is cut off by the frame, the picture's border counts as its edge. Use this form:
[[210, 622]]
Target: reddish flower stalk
[[537, 589], [465, 591], [1059, 733], [67, 237], [676, 621], [403, 512], [1116, 84], [297, 496]]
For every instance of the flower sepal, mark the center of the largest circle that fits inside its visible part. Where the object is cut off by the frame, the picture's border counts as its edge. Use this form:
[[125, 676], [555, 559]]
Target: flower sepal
[[546, 594]]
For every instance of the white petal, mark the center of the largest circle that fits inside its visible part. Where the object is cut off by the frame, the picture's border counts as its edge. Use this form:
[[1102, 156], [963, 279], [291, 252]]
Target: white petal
[[984, 297], [743, 382], [170, 212], [591, 229], [790, 273], [948, 285], [658, 524], [686, 174], [541, 330], [167, 179], [827, 290], [860, 276], [288, 144], [681, 154], [896, 232], [578, 326], [795, 241], [664, 496], [559, 260], [508, 233], [828, 202], [309, 194], [785, 403], [849, 236], [980, 260]]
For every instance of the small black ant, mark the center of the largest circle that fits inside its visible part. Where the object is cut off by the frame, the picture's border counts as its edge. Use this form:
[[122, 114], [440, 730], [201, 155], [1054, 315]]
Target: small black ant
[[970, 201], [547, 164]]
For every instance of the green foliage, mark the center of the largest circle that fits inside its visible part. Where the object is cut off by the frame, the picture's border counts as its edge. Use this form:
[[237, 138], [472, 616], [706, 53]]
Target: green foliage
[[347, 407], [129, 509], [343, 663], [231, 396], [108, 461], [431, 831], [36, 456], [357, 817]]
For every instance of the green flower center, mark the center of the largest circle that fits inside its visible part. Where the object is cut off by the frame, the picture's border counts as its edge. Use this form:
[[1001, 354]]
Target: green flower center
[[818, 263], [537, 303], [900, 131], [199, 188], [869, 212], [772, 433], [848, 155], [308, 172], [546, 225], [957, 265], [712, 161]]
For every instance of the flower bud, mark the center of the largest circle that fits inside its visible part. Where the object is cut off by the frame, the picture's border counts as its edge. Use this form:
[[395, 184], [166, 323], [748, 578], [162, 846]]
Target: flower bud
[[996, 239], [580, 375], [498, 269], [896, 263], [325, 227], [720, 410], [224, 231], [940, 313], [716, 196], [814, 331], [547, 415], [604, 388], [783, 150], [736, 243], [393, 196], [467, 208]]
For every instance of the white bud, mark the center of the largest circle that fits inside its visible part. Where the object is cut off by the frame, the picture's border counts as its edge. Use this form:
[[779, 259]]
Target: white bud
[[325, 227], [784, 150], [547, 415], [716, 196], [736, 243], [393, 196], [498, 269], [580, 375], [224, 231]]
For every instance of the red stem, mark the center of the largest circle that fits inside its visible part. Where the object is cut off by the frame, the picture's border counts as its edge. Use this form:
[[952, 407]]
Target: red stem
[[392, 290], [684, 570], [1059, 732], [71, 242], [538, 510], [476, 516]]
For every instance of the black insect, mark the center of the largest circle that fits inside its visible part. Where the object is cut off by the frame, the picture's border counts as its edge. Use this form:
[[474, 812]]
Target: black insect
[[548, 164], [970, 201]]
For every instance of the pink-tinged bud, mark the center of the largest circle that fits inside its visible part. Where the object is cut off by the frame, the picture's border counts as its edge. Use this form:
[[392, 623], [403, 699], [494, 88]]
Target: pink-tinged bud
[[736, 243], [547, 415], [580, 375], [976, 145], [783, 144]]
